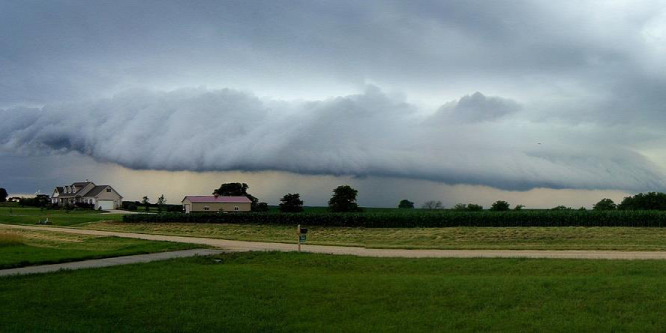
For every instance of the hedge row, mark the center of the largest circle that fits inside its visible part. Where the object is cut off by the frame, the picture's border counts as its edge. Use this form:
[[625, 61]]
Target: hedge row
[[545, 218]]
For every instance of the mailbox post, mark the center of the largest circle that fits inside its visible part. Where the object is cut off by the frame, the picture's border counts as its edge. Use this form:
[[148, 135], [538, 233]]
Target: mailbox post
[[302, 236]]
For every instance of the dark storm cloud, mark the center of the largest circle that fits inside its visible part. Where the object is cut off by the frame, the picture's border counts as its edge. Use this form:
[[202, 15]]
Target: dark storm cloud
[[584, 79], [64, 50], [369, 134]]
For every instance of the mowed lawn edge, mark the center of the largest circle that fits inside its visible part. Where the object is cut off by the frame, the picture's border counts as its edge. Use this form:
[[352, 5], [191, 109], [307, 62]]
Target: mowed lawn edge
[[283, 292], [32, 216], [22, 248]]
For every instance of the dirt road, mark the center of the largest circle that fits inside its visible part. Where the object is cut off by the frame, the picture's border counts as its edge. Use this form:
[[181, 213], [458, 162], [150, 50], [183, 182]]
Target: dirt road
[[231, 245]]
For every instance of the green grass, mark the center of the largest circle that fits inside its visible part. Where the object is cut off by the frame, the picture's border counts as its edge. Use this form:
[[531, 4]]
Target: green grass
[[19, 248], [288, 292], [518, 238], [31, 215]]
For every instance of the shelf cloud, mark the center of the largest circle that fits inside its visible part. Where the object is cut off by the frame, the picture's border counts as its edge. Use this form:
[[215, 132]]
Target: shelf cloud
[[472, 140]]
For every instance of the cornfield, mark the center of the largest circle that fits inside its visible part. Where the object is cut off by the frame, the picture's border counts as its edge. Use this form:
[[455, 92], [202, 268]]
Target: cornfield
[[426, 219]]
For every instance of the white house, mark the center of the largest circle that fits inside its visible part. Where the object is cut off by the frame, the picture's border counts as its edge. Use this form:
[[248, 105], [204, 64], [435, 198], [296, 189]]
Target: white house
[[100, 196]]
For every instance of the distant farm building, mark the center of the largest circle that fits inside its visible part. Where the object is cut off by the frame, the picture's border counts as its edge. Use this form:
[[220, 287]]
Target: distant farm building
[[211, 203], [99, 196]]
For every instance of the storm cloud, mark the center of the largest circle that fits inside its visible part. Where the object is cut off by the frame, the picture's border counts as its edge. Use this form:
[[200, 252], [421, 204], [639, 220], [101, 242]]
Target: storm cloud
[[510, 94], [367, 134]]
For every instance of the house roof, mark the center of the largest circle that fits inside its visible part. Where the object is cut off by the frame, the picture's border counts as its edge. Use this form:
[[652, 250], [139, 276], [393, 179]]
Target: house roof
[[96, 190], [212, 198]]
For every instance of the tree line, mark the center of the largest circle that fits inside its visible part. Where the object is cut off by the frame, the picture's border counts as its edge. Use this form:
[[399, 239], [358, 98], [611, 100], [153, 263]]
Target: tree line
[[344, 200]]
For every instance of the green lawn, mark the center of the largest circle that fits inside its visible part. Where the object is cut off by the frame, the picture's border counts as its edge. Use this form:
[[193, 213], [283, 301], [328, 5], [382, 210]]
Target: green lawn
[[31, 215], [19, 248], [519, 238], [292, 292]]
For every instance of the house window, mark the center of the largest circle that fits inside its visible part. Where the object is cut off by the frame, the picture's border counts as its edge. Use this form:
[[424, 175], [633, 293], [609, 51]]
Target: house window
[[108, 190], [206, 208], [236, 208]]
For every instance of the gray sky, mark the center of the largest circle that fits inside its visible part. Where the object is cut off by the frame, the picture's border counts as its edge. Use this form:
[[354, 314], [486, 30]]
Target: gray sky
[[505, 99]]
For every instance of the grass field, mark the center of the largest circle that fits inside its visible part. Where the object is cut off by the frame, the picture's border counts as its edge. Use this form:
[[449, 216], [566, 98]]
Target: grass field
[[287, 292], [519, 238], [19, 248], [30, 215]]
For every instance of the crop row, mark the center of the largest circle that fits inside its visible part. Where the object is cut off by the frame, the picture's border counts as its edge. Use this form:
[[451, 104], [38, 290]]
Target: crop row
[[536, 218]]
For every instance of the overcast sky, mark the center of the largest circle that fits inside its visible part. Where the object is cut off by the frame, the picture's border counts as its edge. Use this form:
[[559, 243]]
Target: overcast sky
[[459, 101]]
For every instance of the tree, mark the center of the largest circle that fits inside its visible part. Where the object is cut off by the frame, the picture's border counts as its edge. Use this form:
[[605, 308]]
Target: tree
[[644, 201], [291, 203], [432, 204], [474, 207], [460, 206], [261, 207], [519, 207], [605, 204], [161, 201], [404, 203], [231, 189], [343, 199], [237, 189], [3, 195], [146, 202], [561, 207], [40, 200], [499, 206]]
